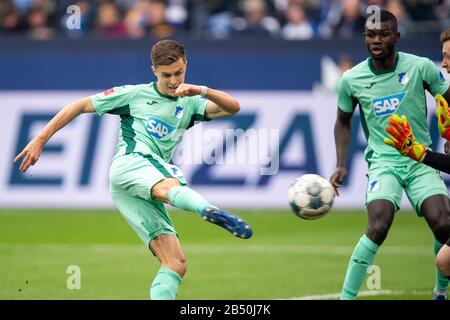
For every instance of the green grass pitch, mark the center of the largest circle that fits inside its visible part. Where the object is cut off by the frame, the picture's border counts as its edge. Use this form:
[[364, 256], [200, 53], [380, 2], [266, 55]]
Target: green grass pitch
[[286, 258]]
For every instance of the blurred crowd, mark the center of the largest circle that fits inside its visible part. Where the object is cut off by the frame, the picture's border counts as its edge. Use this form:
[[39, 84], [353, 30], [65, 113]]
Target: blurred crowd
[[212, 19]]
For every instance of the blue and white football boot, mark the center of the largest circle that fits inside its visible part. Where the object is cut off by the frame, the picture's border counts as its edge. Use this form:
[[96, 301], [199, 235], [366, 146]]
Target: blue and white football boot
[[234, 224]]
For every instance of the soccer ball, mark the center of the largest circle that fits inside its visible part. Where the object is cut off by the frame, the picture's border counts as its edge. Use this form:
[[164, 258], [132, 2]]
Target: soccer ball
[[311, 196]]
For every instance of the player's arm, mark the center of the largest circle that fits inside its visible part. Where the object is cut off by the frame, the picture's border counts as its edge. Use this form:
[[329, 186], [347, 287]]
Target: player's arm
[[220, 104], [32, 151], [343, 129], [438, 161], [342, 134]]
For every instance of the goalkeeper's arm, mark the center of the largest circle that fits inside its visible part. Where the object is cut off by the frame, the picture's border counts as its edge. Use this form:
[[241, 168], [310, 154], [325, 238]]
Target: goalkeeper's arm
[[438, 161]]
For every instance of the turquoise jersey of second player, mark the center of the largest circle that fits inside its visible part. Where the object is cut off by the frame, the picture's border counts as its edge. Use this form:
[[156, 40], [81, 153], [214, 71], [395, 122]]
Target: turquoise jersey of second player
[[150, 122], [379, 95]]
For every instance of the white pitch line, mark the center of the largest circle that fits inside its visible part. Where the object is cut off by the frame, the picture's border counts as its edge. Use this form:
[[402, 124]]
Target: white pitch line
[[370, 293], [224, 249]]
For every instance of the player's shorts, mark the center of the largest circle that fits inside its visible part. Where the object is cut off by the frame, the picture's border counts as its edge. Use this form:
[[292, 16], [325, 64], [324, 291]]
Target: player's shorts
[[418, 180], [132, 177]]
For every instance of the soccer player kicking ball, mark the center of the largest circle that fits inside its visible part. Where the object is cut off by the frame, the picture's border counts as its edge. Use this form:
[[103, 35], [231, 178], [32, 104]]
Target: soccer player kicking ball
[[390, 82], [153, 117]]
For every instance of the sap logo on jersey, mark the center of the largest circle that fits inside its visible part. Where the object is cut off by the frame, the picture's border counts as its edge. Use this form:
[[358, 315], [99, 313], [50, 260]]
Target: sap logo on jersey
[[387, 105], [157, 128]]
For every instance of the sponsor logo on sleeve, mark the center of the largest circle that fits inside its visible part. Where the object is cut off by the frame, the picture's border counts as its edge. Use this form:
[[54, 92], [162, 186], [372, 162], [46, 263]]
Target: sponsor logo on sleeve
[[109, 92]]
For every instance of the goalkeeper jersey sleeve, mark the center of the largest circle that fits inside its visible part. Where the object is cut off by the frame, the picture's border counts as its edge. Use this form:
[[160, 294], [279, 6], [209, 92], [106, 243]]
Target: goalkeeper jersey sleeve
[[438, 161]]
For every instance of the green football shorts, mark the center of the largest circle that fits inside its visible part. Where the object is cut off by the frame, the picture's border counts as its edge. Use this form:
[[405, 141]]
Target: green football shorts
[[131, 178], [418, 180]]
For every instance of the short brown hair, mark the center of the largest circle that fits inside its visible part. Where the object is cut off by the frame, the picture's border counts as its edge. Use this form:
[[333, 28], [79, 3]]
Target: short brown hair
[[445, 35], [166, 52]]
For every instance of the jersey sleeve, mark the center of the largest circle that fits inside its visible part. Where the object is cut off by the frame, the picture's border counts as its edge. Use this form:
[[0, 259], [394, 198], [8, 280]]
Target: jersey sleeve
[[112, 99], [199, 105], [438, 161], [345, 99], [434, 81], [196, 110]]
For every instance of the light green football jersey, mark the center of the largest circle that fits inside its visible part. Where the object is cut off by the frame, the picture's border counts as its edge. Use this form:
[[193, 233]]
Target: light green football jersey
[[399, 90], [150, 122]]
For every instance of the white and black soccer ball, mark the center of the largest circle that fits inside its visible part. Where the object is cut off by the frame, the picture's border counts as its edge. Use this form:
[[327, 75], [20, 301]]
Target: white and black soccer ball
[[311, 196]]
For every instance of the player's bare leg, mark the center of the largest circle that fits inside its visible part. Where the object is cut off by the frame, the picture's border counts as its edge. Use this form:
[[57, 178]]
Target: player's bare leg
[[436, 211], [381, 214], [443, 260], [160, 191], [182, 197], [167, 248]]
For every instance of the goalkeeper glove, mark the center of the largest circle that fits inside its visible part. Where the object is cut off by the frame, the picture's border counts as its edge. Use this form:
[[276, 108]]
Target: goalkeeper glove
[[403, 139], [443, 116]]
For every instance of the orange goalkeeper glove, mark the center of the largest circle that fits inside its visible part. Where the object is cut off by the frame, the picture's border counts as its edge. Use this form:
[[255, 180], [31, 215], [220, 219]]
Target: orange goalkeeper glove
[[403, 139], [443, 116]]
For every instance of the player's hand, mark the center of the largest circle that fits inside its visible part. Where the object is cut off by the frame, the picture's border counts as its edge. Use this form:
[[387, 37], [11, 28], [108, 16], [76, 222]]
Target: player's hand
[[338, 177], [403, 139], [30, 154], [187, 90], [443, 115]]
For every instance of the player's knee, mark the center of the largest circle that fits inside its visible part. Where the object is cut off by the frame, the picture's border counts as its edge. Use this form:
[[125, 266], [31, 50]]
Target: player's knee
[[178, 265], [377, 232], [441, 229], [160, 190], [443, 264], [380, 220]]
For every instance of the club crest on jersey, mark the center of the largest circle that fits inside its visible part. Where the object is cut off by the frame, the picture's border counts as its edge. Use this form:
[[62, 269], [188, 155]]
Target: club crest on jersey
[[387, 105], [179, 112], [158, 128], [403, 78]]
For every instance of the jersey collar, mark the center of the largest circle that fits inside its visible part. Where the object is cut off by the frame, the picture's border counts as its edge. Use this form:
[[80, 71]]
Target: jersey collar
[[162, 94], [378, 72]]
